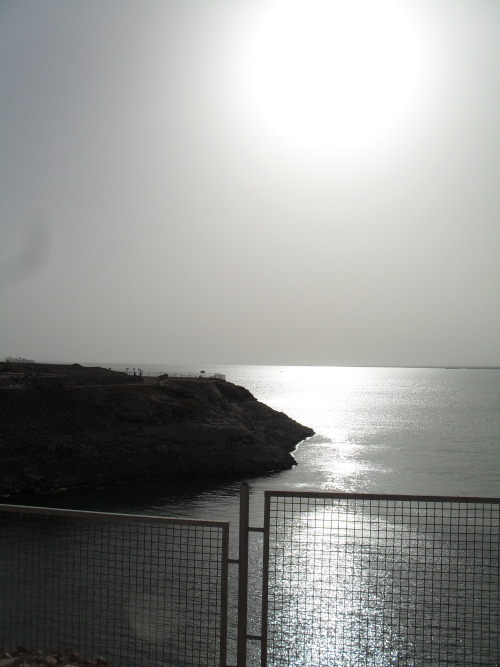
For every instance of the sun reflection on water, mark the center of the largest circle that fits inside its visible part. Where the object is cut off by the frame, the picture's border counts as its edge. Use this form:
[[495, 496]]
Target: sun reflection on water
[[333, 606], [358, 584]]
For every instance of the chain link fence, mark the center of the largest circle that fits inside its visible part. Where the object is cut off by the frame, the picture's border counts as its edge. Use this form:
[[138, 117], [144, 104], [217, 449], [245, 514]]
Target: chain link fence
[[354, 580], [134, 590], [347, 580]]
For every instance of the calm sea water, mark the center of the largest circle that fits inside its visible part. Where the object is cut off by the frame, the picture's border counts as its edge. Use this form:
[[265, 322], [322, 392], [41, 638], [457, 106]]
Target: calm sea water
[[378, 430], [419, 431], [422, 431]]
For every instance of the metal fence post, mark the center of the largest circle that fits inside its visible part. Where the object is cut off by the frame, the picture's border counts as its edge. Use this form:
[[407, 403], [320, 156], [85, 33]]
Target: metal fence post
[[265, 580], [224, 598], [243, 577]]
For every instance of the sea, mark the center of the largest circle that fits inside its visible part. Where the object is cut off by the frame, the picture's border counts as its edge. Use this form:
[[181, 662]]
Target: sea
[[421, 431], [411, 431]]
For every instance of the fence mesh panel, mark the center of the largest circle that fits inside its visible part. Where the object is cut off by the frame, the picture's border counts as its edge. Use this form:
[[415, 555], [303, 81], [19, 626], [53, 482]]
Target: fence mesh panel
[[134, 590], [359, 580]]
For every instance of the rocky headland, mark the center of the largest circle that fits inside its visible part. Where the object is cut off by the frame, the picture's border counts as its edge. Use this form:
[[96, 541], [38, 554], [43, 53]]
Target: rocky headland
[[54, 436]]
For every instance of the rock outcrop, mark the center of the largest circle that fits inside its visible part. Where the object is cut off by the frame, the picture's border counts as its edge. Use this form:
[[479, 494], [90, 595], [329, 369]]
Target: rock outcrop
[[25, 657], [54, 437]]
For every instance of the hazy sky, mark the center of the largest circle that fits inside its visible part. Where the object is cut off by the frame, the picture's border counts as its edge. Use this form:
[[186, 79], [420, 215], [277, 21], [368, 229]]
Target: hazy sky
[[251, 181]]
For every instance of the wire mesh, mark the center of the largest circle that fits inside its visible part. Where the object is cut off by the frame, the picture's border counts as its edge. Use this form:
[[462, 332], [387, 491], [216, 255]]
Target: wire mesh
[[365, 580], [134, 590]]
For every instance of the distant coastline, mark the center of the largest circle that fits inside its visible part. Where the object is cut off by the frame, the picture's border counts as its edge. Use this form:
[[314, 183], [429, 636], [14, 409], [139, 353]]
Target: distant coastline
[[122, 366]]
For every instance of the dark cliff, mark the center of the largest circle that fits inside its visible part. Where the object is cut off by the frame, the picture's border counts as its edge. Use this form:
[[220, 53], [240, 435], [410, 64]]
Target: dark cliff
[[65, 437]]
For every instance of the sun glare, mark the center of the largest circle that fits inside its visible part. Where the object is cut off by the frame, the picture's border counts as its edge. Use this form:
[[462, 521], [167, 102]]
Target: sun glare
[[333, 76]]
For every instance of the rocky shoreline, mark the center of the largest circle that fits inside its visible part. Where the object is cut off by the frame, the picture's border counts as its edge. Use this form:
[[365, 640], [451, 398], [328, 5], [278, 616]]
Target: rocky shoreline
[[24, 657], [65, 437]]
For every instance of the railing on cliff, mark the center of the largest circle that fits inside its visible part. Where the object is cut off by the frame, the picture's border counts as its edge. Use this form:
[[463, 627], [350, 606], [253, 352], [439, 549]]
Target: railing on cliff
[[175, 374]]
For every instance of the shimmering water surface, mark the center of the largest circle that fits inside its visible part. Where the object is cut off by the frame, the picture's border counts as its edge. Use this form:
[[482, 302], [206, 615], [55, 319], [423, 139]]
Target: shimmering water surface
[[378, 430]]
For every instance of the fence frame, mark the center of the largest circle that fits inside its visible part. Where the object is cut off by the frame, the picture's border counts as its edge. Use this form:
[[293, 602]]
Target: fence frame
[[242, 561], [334, 496], [147, 519]]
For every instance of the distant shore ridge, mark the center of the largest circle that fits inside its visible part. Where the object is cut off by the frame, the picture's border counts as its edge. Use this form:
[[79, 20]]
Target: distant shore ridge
[[24, 360]]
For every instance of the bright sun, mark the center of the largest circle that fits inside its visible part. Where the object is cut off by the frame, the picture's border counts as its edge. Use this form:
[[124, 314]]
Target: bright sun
[[333, 76]]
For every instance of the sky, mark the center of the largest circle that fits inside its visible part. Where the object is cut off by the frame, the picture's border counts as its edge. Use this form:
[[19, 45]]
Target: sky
[[252, 182]]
